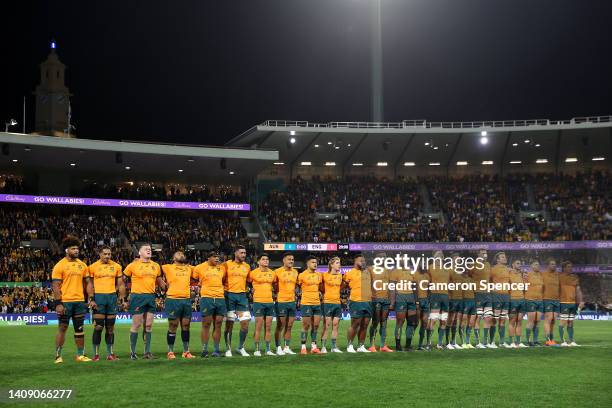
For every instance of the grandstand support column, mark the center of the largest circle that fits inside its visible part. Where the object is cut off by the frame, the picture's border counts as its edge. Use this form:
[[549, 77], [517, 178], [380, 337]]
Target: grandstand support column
[[352, 153], [452, 155], [401, 155], [376, 61], [301, 153], [503, 158], [558, 152]]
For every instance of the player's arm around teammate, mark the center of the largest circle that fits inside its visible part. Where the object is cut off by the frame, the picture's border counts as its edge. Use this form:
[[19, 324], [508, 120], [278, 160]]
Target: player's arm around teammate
[[517, 306], [534, 303], [286, 280], [551, 300], [310, 305], [359, 282], [570, 296], [261, 278], [332, 282], [69, 276], [237, 271]]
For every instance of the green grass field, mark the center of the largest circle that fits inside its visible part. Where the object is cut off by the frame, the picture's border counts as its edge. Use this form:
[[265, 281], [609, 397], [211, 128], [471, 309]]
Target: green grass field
[[499, 378]]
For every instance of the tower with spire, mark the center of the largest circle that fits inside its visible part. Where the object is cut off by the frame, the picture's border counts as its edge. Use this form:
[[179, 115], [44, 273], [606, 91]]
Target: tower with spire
[[52, 98]]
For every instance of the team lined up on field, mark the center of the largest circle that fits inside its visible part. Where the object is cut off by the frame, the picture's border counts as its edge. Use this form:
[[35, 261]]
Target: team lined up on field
[[223, 292]]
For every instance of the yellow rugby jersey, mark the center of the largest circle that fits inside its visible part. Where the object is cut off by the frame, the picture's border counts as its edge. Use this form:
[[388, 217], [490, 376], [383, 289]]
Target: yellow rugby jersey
[[551, 285], [144, 275], [516, 277], [332, 283], [360, 283], [422, 277], [287, 279], [536, 286], [567, 287], [211, 280], [404, 276], [236, 276], [468, 293], [500, 274], [309, 283], [105, 276], [383, 279], [439, 275], [179, 280], [262, 284], [455, 294], [71, 273], [483, 274]]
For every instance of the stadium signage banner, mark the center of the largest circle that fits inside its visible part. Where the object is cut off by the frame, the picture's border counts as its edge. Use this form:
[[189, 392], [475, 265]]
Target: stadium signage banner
[[20, 284], [111, 202], [443, 246]]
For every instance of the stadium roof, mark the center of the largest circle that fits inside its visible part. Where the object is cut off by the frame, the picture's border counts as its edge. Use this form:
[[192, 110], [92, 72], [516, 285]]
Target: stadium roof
[[422, 142], [99, 156]]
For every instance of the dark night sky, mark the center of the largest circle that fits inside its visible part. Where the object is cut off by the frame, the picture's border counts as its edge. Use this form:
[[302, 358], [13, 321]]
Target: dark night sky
[[203, 71]]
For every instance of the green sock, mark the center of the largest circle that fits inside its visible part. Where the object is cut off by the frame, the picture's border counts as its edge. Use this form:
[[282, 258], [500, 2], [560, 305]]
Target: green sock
[[409, 332], [485, 334], [447, 331], [170, 337], [242, 337], [518, 339], [256, 346], [313, 336], [460, 331], [528, 333], [303, 337], [372, 334], [109, 348], [570, 333], [205, 346], [468, 334], [428, 333], [58, 351], [536, 331], [80, 351], [477, 335], [133, 341], [215, 345], [333, 343], [383, 333], [287, 342], [454, 335], [561, 333], [148, 341], [267, 346], [441, 333], [421, 335], [397, 332], [502, 333], [491, 338]]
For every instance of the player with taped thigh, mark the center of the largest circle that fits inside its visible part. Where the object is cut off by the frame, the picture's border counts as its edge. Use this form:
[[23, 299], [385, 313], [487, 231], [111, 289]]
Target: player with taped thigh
[[145, 274], [332, 312], [403, 301], [211, 278], [533, 303], [481, 273], [236, 301], [107, 279], [438, 297], [69, 276], [285, 280], [570, 295], [500, 274], [178, 302]]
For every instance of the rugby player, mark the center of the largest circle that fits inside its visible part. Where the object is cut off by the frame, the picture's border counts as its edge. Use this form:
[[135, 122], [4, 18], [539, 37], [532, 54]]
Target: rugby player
[[468, 320], [422, 279], [68, 277], [438, 299], [261, 279], [285, 279], [178, 302], [533, 303], [236, 272], [482, 298], [211, 279], [310, 304], [551, 300], [403, 301], [359, 282], [517, 306], [144, 274], [107, 279], [332, 282], [380, 306], [455, 306], [570, 294], [500, 274]]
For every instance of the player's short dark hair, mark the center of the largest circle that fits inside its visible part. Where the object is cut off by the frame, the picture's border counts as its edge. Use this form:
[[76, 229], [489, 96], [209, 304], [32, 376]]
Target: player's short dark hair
[[144, 244], [357, 255], [311, 256], [565, 263], [286, 254], [262, 255], [212, 253], [70, 241], [104, 247], [455, 253], [239, 247]]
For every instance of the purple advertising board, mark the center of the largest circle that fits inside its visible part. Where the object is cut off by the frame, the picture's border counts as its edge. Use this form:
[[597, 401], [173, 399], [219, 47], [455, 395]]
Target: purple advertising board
[[126, 203]]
